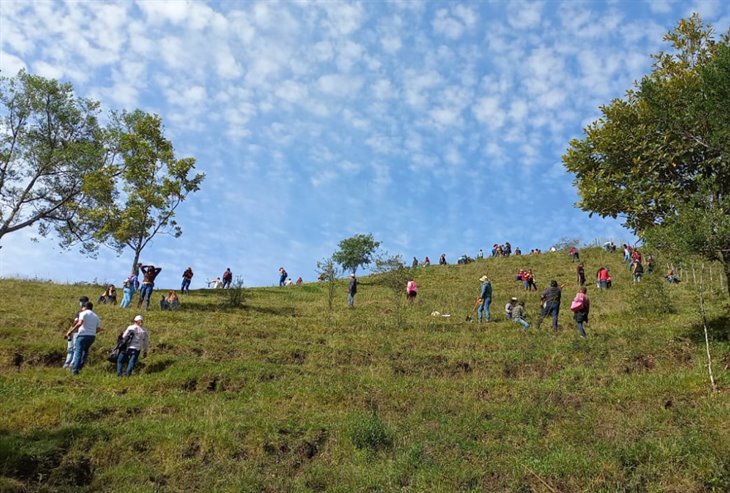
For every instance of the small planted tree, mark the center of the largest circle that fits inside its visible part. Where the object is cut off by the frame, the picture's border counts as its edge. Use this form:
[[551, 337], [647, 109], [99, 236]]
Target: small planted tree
[[393, 275], [327, 270], [356, 251]]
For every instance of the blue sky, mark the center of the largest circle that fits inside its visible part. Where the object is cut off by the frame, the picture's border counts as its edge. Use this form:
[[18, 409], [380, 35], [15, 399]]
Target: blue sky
[[436, 126]]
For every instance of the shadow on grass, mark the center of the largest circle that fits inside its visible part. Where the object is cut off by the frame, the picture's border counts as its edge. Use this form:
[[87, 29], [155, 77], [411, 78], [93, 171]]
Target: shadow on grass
[[45, 456], [718, 330]]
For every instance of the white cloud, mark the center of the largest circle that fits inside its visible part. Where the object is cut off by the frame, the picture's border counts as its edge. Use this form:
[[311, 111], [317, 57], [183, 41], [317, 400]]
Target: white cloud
[[339, 85], [524, 15]]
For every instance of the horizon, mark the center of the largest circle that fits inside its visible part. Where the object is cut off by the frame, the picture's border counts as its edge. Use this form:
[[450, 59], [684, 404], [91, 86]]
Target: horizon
[[437, 127]]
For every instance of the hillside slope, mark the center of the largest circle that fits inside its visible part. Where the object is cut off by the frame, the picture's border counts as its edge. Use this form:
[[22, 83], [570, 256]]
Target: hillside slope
[[284, 395]]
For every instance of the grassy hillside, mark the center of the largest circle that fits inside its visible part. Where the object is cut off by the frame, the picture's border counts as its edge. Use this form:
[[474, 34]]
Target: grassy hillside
[[283, 395]]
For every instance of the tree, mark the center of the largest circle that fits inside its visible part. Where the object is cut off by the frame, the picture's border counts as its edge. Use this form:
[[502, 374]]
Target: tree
[[660, 157], [356, 251], [327, 271], [136, 198], [393, 275], [51, 147]]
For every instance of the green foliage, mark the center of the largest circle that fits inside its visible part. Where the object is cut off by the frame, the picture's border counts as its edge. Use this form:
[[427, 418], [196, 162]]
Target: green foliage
[[327, 272], [51, 149], [144, 186], [356, 251], [651, 296], [393, 275], [235, 294], [368, 432], [659, 157]]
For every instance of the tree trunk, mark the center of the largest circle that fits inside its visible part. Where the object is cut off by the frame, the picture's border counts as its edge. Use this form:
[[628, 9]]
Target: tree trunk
[[726, 267], [135, 272]]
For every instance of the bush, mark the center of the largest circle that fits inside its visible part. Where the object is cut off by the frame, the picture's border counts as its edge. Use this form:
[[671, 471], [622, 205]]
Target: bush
[[236, 293], [650, 296], [369, 433]]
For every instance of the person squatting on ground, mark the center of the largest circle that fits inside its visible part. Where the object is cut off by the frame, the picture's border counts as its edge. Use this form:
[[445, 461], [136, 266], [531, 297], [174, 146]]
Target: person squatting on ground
[[109, 295], [580, 306], [187, 278], [282, 276], [485, 295], [138, 343], [509, 308], [519, 314], [87, 326], [352, 291], [602, 277], [148, 284], [71, 340], [227, 278], [411, 290], [551, 299], [170, 302]]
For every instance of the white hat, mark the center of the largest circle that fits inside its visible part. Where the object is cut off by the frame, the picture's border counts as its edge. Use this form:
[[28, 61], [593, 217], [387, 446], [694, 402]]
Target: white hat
[[138, 318]]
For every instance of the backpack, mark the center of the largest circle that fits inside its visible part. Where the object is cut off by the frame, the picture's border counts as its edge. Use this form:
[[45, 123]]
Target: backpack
[[121, 347], [578, 303]]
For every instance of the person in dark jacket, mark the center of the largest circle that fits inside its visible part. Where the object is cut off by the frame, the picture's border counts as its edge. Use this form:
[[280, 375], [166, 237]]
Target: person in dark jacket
[[580, 306], [551, 304], [352, 291]]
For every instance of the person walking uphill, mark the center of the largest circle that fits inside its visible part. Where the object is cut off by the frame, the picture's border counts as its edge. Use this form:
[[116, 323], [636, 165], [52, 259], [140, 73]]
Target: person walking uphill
[[485, 295], [551, 300], [148, 284], [87, 326], [352, 291], [138, 343], [71, 340], [580, 306]]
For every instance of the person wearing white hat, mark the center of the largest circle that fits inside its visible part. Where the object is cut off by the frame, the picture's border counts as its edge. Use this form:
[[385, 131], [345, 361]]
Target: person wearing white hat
[[139, 342], [509, 307], [485, 297]]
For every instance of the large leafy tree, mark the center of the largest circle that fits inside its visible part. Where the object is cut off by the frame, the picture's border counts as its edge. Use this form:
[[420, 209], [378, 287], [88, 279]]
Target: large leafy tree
[[356, 251], [51, 146], [138, 194], [660, 156]]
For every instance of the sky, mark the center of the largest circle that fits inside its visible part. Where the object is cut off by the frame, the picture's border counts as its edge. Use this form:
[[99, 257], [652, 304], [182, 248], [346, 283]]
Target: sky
[[436, 126]]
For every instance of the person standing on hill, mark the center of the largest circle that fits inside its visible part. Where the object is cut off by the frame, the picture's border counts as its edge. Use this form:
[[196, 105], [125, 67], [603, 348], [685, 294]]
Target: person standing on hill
[[138, 343], [187, 277], [87, 326], [637, 270], [574, 255], [148, 284], [414, 264], [227, 278], [551, 304], [352, 291], [485, 297], [282, 276], [442, 259], [71, 340], [580, 306], [581, 274]]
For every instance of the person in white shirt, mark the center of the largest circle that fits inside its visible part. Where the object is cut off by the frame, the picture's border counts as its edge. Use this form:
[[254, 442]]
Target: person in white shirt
[[138, 342], [87, 326]]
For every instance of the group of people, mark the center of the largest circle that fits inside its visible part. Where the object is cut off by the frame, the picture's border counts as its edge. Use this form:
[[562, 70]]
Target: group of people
[[132, 342]]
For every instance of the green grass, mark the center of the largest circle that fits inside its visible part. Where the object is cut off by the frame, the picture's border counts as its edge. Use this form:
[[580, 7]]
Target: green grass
[[280, 395]]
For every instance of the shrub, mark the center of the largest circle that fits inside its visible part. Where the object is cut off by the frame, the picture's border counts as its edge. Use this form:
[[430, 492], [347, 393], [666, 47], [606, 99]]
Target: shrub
[[650, 297], [369, 433], [236, 293]]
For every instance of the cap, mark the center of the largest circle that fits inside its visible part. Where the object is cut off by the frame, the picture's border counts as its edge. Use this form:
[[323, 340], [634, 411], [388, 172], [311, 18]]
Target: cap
[[84, 299], [484, 278], [513, 299], [352, 275], [138, 318]]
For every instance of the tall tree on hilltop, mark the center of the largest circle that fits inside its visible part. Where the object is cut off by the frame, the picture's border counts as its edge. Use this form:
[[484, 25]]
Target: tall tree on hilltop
[[660, 157], [356, 251], [139, 194], [51, 147]]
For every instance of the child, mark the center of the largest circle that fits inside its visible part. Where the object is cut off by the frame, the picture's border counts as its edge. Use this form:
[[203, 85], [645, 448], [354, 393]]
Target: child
[[519, 314], [509, 308]]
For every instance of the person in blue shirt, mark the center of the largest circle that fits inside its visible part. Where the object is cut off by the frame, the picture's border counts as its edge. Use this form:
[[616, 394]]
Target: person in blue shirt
[[485, 295]]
